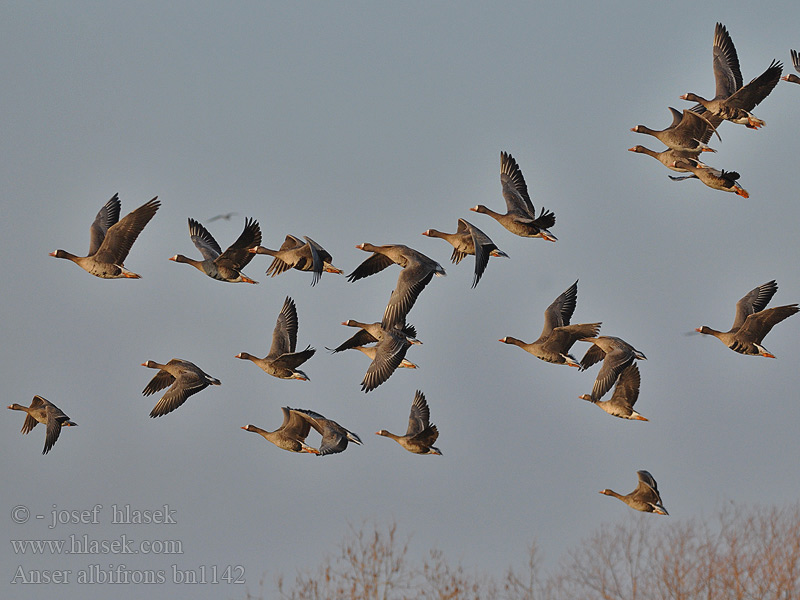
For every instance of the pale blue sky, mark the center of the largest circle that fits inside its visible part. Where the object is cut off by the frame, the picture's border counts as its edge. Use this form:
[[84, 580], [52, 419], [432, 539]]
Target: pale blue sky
[[353, 123]]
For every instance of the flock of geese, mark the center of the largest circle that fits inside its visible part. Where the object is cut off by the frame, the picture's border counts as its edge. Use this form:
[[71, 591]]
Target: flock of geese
[[387, 342], [692, 129]]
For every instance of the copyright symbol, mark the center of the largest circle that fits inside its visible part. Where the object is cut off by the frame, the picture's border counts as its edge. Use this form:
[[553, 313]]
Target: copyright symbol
[[20, 514]]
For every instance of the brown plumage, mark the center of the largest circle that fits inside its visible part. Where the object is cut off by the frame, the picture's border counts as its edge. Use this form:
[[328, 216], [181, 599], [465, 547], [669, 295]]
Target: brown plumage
[[418, 270], [372, 351], [558, 335], [389, 353], [291, 435], [334, 437], [669, 157], [369, 333], [520, 217], [624, 397], [45, 412], [283, 360], [222, 266], [421, 435], [468, 239], [295, 253], [753, 321], [734, 101], [725, 181], [110, 239], [689, 132], [183, 378], [644, 498], [616, 355]]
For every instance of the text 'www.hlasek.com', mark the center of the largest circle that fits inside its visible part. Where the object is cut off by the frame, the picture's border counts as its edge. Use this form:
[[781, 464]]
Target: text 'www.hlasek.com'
[[107, 555]]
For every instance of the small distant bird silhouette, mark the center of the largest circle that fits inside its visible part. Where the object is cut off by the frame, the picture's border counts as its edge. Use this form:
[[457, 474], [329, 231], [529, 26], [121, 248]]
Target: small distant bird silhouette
[[226, 216]]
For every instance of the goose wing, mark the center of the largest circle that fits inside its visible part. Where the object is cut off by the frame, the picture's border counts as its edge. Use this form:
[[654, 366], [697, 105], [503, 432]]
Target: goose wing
[[284, 336], [106, 217], [160, 380], [185, 385], [294, 424], [120, 236], [55, 417], [317, 262], [559, 313], [727, 74], [749, 96], [410, 283], [236, 256], [419, 418], [374, 264], [759, 324], [627, 391], [614, 363], [30, 422], [203, 240], [390, 352], [754, 301], [515, 190], [483, 248]]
